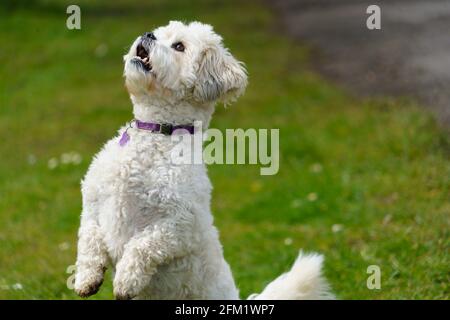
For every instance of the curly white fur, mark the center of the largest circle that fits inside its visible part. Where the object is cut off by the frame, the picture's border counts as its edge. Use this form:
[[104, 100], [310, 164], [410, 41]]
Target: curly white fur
[[149, 218]]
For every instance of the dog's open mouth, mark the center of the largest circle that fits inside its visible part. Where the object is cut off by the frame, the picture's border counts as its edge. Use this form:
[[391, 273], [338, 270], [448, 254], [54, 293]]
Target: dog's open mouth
[[142, 54]]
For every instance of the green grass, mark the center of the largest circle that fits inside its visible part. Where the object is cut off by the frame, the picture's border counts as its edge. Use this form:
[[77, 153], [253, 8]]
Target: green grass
[[380, 169]]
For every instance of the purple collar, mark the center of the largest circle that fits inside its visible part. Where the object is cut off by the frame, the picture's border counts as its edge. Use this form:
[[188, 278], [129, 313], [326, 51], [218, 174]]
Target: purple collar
[[166, 129]]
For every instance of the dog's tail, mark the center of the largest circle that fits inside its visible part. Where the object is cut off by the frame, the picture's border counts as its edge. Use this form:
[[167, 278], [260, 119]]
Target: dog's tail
[[303, 282]]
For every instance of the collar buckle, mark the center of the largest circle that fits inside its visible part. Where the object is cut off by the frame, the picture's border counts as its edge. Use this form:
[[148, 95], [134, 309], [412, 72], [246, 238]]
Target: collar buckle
[[166, 129]]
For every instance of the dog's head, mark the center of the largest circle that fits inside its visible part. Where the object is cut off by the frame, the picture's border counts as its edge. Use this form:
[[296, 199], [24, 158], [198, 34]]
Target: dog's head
[[183, 62]]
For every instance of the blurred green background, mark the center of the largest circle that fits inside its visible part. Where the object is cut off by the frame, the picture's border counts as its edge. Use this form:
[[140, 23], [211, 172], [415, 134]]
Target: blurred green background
[[365, 182]]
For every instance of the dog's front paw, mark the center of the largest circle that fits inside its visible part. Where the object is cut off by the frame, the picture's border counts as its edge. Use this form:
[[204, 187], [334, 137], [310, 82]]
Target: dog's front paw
[[88, 282], [129, 281], [126, 286], [124, 295]]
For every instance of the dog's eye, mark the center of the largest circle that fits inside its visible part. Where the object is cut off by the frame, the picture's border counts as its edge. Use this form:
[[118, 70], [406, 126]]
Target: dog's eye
[[178, 46]]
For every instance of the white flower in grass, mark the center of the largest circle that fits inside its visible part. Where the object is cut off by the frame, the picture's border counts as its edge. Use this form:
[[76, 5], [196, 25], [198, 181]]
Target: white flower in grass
[[76, 158], [297, 203], [316, 168], [17, 286], [337, 228], [66, 158], [31, 159], [71, 157], [52, 163], [312, 196], [367, 254], [288, 241], [63, 246], [387, 218]]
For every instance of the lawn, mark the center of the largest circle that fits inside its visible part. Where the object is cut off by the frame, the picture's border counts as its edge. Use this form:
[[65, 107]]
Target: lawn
[[365, 182]]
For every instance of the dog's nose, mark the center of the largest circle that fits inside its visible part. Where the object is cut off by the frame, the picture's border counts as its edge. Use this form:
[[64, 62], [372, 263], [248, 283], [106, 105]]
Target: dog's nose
[[150, 35]]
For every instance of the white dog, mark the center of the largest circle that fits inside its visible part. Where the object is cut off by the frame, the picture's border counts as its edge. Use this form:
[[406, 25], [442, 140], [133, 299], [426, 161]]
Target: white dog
[[149, 218]]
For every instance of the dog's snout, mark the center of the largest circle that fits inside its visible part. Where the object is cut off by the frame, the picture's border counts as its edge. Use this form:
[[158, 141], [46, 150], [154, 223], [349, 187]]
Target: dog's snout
[[149, 35]]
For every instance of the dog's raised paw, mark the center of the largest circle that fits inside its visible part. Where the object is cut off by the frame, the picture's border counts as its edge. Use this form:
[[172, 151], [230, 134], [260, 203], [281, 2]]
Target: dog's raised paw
[[123, 296], [88, 282], [123, 291], [89, 290]]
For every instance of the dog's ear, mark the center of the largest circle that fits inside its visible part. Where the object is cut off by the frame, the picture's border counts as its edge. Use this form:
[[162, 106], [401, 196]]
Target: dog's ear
[[220, 77]]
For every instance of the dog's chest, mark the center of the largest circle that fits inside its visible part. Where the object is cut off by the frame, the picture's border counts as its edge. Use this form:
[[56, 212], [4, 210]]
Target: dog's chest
[[142, 173], [147, 165], [140, 185]]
